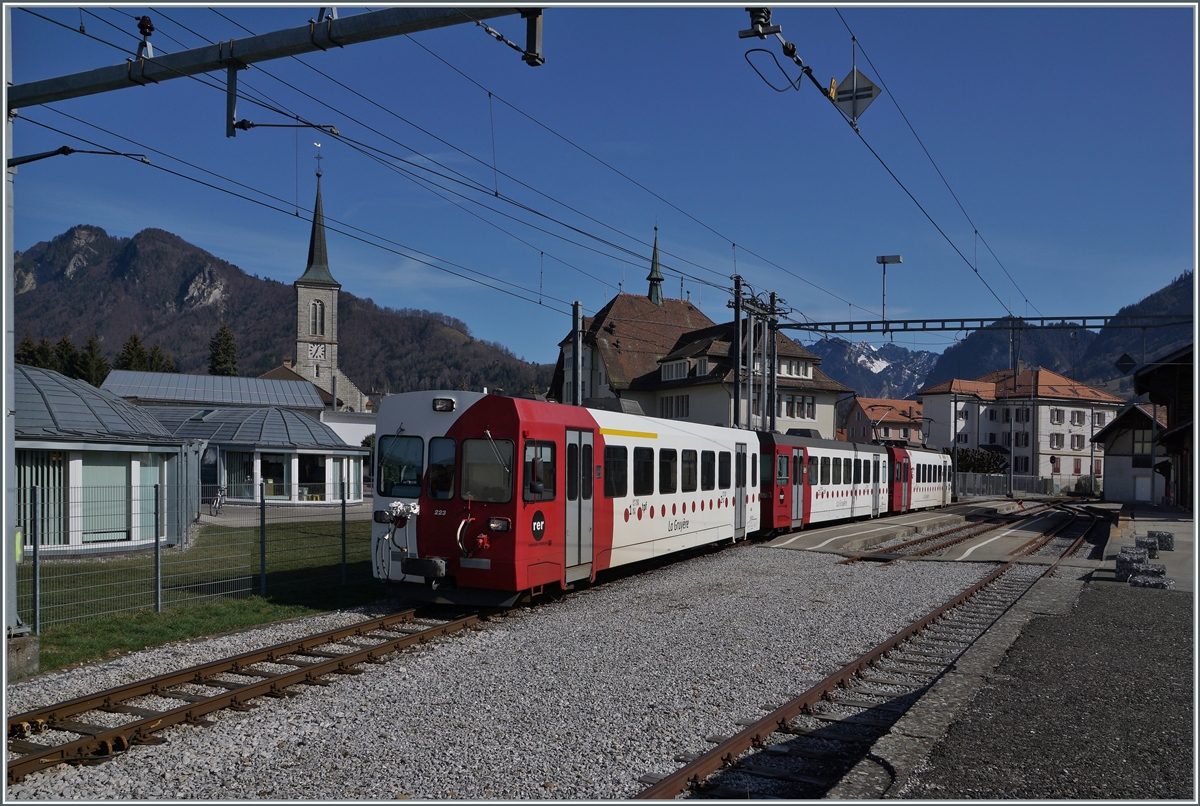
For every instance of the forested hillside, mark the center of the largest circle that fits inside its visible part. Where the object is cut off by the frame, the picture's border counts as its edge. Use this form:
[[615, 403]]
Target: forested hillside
[[177, 295]]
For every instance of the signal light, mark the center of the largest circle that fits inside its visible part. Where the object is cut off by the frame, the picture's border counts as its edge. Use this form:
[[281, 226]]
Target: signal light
[[443, 404]]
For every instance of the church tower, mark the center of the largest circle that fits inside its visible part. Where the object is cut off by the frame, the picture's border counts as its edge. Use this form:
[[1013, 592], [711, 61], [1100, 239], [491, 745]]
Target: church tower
[[317, 320]]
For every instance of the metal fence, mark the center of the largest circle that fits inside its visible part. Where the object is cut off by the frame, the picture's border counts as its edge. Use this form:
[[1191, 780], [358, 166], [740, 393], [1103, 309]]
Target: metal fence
[[992, 484], [92, 551]]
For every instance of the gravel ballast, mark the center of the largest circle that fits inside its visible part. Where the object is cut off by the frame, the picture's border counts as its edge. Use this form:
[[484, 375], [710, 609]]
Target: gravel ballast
[[576, 698]]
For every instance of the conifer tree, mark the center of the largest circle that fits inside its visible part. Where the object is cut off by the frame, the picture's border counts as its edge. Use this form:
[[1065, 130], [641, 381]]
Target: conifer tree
[[133, 355], [43, 355], [93, 365], [26, 352], [67, 356], [160, 361], [222, 352]]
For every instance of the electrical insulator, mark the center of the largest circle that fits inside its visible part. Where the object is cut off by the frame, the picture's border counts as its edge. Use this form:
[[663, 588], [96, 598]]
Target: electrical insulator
[[760, 17], [145, 27]]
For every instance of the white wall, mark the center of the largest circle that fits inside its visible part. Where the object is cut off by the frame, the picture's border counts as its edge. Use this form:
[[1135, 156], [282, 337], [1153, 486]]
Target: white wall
[[352, 427]]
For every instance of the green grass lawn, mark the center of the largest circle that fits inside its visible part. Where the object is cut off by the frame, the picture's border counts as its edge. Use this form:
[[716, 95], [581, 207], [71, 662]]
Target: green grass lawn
[[97, 608]]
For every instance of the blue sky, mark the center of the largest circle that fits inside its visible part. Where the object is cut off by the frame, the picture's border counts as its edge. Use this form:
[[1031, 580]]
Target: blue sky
[[1067, 134]]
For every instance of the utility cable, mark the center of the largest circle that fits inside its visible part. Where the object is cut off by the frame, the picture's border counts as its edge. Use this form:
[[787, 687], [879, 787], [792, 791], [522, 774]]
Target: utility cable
[[348, 234], [932, 162]]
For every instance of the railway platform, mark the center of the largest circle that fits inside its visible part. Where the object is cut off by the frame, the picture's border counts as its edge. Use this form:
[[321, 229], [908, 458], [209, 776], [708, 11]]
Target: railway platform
[[851, 538], [1138, 519]]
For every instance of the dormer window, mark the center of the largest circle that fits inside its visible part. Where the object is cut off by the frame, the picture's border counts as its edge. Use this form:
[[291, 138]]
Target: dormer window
[[702, 368], [674, 371]]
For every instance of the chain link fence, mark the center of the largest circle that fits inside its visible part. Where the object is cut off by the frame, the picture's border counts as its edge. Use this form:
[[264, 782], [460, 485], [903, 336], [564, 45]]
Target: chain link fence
[[993, 484], [90, 551]]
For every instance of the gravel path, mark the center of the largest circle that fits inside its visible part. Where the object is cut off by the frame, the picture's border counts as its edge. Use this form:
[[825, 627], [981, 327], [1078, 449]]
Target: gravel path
[[574, 699], [1096, 704]]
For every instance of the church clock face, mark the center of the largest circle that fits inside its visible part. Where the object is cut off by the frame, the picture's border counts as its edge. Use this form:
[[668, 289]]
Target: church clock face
[[316, 351]]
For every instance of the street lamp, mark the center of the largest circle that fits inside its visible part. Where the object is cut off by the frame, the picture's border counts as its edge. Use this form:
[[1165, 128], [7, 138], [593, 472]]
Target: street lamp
[[884, 260]]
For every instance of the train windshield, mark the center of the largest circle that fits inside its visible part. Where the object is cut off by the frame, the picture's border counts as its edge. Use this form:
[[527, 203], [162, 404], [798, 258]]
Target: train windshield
[[487, 470], [400, 466]]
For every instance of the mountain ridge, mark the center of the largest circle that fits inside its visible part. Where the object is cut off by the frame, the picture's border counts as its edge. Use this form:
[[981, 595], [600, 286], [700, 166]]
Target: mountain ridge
[[172, 292]]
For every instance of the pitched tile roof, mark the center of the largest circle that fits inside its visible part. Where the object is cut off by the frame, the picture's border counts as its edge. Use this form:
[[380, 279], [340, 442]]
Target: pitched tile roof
[[634, 337], [892, 411], [1030, 383]]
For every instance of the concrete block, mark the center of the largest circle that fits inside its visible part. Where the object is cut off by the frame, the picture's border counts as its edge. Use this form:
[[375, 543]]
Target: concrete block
[[23, 656]]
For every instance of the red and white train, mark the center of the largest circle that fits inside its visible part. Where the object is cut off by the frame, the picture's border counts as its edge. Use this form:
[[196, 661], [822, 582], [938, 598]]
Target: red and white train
[[483, 498]]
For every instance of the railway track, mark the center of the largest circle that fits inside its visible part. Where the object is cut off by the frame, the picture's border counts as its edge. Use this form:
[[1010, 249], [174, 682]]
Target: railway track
[[802, 749], [941, 539], [96, 727]]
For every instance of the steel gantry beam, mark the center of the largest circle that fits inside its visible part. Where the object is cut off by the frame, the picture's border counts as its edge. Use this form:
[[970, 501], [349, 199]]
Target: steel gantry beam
[[323, 35], [998, 323]]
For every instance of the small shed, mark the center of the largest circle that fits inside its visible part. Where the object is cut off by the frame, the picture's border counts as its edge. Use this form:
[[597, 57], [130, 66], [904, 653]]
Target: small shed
[[286, 455], [1130, 454], [95, 472]]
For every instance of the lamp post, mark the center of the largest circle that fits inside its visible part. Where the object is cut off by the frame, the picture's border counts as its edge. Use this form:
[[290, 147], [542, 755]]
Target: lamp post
[[884, 260]]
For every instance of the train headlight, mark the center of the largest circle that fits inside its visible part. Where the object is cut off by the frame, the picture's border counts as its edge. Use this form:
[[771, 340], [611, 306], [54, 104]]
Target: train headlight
[[499, 524], [443, 404]]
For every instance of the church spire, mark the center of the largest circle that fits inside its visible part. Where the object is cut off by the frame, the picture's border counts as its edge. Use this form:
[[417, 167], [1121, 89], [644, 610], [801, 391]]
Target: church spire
[[317, 270], [655, 277]]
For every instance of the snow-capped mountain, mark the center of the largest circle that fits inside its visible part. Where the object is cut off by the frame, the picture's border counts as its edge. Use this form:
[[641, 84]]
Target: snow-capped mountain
[[889, 371]]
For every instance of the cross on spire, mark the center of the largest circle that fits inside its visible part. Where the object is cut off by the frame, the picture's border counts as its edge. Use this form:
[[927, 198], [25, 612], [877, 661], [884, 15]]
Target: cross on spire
[[318, 158]]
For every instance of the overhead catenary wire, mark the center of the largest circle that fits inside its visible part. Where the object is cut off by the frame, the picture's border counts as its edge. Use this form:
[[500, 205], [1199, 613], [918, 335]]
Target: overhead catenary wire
[[347, 231], [907, 122], [475, 184]]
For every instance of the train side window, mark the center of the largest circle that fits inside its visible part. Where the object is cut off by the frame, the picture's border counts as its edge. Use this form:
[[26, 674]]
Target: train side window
[[764, 462], [898, 472], [687, 469], [858, 471], [708, 470], [585, 463], [441, 468], [754, 471], [813, 472], [616, 471], [572, 471], [825, 469], [837, 471], [725, 470], [539, 471], [668, 470], [400, 466], [781, 470], [643, 471], [487, 467], [846, 471]]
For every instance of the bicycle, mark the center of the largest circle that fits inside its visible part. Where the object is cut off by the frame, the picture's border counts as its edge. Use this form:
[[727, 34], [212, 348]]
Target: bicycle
[[214, 505]]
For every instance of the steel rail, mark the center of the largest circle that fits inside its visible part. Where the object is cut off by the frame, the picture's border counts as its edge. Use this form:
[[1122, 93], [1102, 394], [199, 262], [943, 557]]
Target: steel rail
[[725, 753], [100, 743], [980, 528]]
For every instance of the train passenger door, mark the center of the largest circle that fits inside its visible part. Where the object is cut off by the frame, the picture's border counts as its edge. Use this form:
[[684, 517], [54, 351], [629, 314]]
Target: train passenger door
[[739, 492], [875, 486], [580, 484], [904, 484], [798, 469]]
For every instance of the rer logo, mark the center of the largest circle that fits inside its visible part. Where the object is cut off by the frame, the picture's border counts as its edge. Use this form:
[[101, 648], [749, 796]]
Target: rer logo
[[539, 525]]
